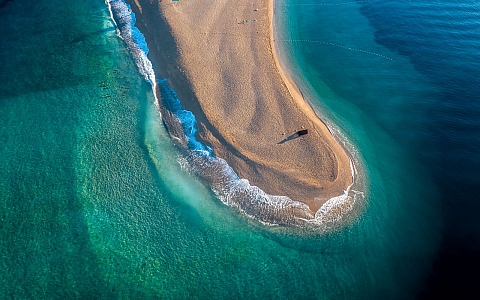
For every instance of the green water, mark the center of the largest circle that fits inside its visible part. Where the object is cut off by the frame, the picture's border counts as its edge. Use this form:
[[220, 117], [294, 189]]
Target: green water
[[93, 203]]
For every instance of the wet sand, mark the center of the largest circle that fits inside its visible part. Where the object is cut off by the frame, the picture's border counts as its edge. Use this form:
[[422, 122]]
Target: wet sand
[[220, 58]]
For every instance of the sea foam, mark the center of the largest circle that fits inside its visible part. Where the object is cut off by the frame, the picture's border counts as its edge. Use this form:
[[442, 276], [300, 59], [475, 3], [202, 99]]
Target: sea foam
[[215, 171], [124, 20]]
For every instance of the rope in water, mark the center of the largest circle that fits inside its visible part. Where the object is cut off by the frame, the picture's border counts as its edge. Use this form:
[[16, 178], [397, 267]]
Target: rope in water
[[337, 45], [330, 3]]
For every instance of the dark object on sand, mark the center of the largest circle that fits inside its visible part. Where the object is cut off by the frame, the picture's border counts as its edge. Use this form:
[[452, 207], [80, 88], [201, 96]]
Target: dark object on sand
[[294, 136], [303, 132]]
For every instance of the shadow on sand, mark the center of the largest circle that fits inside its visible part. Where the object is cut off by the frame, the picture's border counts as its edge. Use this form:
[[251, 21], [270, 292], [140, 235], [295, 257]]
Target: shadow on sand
[[294, 136]]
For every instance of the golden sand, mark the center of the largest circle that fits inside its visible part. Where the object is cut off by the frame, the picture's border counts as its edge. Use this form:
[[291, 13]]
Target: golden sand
[[219, 56]]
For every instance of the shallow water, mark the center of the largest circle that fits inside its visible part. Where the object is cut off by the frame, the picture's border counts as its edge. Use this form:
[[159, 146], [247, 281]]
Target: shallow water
[[95, 203]]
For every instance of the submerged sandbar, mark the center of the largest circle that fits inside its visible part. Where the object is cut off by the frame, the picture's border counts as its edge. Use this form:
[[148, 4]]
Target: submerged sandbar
[[220, 58]]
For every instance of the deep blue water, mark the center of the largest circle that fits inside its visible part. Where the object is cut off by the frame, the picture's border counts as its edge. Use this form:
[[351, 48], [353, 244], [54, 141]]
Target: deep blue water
[[96, 201], [426, 99], [442, 40]]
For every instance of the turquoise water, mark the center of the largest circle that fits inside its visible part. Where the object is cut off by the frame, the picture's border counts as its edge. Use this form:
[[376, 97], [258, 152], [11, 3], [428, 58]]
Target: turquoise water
[[95, 203]]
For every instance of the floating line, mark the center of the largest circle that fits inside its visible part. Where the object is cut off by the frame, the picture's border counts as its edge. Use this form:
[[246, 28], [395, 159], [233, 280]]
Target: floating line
[[336, 45], [332, 3]]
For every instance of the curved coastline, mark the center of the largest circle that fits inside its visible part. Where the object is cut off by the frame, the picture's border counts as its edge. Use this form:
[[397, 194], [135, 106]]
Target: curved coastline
[[218, 172]]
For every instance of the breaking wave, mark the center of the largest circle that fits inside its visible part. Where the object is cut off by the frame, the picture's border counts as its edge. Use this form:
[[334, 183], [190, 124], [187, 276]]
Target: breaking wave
[[124, 19]]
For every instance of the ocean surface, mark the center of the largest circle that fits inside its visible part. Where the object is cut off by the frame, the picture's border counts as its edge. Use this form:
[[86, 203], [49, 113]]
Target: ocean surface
[[96, 201]]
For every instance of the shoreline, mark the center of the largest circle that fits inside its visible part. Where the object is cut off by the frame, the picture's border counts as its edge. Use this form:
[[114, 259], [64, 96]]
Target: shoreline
[[299, 97], [286, 73], [174, 64]]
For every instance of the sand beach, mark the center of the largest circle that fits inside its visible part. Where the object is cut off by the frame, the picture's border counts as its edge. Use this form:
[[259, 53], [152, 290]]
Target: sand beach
[[220, 58]]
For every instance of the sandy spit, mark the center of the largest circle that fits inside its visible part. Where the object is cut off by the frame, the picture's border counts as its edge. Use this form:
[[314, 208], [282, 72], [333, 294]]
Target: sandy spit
[[219, 56]]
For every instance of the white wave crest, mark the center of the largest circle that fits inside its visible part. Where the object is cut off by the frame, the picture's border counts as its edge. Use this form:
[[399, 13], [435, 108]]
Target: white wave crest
[[124, 20]]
